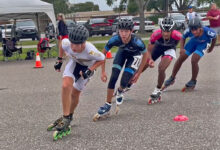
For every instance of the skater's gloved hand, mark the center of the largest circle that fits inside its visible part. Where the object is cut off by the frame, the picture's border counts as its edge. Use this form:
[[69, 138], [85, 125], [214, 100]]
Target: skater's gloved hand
[[104, 77], [58, 64], [151, 63], [135, 77], [86, 74]]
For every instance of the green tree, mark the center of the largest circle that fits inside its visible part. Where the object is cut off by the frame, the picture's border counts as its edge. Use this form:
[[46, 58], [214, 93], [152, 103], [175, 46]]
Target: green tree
[[132, 8], [141, 8], [82, 7], [60, 6], [208, 2]]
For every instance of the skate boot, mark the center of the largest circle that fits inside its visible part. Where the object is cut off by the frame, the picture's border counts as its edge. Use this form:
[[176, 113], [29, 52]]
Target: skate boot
[[168, 82], [189, 85], [155, 96], [128, 88], [55, 123], [62, 129], [103, 111], [119, 100]]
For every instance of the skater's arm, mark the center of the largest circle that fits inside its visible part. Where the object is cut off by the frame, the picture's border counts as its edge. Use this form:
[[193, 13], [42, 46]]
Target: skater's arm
[[149, 50], [104, 51], [212, 45], [96, 65], [182, 43], [143, 62]]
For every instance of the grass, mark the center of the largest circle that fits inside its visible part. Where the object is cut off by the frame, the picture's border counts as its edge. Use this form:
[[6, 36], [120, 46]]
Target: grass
[[15, 56], [54, 51]]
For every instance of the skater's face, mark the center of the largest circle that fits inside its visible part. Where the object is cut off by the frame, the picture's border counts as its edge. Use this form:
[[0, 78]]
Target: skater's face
[[190, 10], [196, 32], [125, 35], [166, 35], [78, 48]]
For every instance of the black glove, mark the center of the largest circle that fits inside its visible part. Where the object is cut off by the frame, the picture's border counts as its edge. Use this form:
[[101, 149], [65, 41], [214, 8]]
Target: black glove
[[87, 73], [58, 65]]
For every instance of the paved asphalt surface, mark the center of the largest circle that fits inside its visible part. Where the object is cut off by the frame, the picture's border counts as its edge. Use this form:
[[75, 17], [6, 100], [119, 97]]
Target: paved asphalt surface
[[30, 101]]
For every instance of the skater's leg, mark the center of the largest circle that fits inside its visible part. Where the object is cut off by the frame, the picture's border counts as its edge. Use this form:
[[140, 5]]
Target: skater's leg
[[67, 87], [195, 66], [111, 84], [165, 62], [75, 100], [178, 64], [126, 77]]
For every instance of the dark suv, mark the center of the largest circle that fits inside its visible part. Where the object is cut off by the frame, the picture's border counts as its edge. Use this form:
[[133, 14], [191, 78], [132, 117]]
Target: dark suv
[[98, 26], [50, 32], [26, 29]]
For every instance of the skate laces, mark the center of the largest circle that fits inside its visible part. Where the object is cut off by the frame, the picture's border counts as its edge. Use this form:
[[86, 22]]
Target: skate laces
[[119, 93], [169, 81], [191, 83], [156, 91], [106, 106]]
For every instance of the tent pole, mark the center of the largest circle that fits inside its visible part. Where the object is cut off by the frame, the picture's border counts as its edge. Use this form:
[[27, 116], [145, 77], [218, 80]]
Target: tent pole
[[38, 26]]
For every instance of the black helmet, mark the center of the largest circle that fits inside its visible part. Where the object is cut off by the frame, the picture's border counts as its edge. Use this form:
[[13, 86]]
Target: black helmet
[[78, 35], [126, 24], [195, 23], [167, 24]]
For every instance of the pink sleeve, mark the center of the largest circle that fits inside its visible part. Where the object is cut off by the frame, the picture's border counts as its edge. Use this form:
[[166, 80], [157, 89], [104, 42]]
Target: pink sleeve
[[209, 14], [176, 35], [155, 36]]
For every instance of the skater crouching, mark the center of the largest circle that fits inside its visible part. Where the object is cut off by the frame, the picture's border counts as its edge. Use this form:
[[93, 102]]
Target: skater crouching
[[84, 58], [162, 44], [130, 53], [202, 39]]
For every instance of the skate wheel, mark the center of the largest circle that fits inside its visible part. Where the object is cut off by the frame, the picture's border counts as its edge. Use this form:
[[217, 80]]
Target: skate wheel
[[159, 99], [96, 117], [55, 135], [183, 89], [50, 127], [69, 130], [149, 101]]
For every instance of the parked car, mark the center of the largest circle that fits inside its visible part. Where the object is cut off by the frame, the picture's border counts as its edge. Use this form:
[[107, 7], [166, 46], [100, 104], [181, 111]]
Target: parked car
[[98, 26], [179, 19], [26, 29], [204, 19], [115, 23], [81, 22], [50, 31], [149, 25], [6, 29], [70, 24]]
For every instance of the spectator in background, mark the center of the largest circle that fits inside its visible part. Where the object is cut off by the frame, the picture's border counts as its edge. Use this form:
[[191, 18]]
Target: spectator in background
[[62, 28], [191, 14], [214, 18]]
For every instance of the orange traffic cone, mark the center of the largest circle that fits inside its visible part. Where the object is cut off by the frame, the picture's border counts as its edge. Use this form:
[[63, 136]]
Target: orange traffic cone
[[38, 62], [109, 55]]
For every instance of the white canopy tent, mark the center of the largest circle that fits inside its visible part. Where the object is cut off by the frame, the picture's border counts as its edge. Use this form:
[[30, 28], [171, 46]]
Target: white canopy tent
[[26, 9]]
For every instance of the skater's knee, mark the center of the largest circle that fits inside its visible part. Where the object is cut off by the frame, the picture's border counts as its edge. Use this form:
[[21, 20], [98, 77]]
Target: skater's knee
[[67, 85], [194, 61], [114, 78]]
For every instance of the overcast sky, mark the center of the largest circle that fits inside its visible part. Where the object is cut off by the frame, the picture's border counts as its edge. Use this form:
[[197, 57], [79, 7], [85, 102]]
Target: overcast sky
[[102, 3]]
